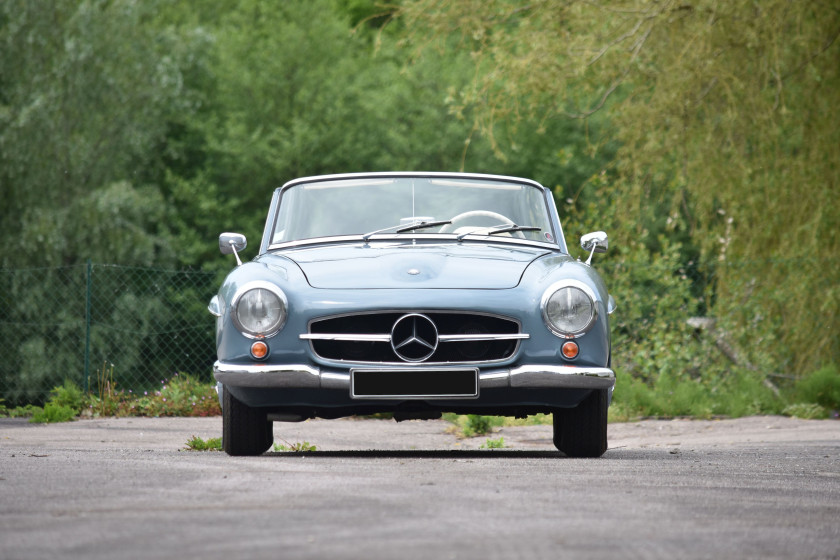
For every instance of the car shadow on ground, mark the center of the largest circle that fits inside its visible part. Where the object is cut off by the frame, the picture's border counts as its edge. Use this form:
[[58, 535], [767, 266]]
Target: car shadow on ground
[[454, 454], [422, 454], [489, 454]]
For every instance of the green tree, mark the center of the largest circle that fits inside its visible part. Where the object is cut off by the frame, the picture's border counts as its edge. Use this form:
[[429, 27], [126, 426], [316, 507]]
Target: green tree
[[85, 91], [309, 88]]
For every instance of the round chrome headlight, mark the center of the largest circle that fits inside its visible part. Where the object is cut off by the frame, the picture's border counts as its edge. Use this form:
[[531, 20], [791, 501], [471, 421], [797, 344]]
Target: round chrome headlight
[[569, 309], [259, 310]]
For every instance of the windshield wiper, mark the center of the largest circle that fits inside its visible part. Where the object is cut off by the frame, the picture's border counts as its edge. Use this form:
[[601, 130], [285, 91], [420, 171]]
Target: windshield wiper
[[504, 228], [402, 229], [513, 227], [423, 225]]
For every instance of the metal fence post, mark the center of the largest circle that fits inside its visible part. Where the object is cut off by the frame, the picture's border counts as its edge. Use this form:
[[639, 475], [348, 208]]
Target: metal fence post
[[87, 325]]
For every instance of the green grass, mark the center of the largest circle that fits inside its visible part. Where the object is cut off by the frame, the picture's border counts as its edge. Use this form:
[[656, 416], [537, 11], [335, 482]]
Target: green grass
[[806, 411]]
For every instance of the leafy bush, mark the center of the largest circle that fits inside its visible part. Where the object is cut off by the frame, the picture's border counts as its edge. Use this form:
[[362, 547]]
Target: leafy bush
[[821, 387], [183, 395], [63, 406], [477, 425], [53, 412], [806, 411], [734, 394], [25, 411], [68, 395]]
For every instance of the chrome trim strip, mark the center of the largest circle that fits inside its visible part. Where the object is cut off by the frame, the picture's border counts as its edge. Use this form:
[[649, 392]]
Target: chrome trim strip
[[537, 375], [223, 367], [407, 237], [347, 337], [414, 174], [424, 311], [267, 375], [481, 337], [387, 338]]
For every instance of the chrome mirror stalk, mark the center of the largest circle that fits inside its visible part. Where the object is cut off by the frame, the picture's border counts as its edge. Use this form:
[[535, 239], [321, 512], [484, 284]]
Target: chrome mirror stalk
[[595, 242], [232, 243]]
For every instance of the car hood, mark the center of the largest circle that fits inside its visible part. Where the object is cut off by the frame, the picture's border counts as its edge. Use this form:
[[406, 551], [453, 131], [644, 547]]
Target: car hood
[[433, 266]]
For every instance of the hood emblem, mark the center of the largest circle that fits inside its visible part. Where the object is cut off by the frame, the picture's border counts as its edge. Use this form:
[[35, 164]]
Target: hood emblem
[[414, 337]]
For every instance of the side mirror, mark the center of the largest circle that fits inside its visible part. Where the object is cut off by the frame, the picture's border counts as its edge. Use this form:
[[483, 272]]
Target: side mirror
[[232, 243], [595, 242]]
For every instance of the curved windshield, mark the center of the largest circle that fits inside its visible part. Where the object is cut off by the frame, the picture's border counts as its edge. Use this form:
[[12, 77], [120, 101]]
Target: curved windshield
[[412, 206]]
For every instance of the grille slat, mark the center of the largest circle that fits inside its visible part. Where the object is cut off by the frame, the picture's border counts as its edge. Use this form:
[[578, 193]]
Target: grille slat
[[461, 337]]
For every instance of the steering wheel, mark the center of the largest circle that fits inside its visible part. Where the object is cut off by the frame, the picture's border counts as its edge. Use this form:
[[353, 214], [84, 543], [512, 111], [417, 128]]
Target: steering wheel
[[478, 214]]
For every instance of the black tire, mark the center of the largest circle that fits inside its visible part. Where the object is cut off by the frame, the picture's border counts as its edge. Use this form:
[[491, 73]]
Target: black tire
[[246, 431], [582, 431]]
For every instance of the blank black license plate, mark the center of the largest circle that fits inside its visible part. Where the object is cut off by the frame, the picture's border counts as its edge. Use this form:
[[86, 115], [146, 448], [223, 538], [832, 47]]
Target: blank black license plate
[[414, 383]]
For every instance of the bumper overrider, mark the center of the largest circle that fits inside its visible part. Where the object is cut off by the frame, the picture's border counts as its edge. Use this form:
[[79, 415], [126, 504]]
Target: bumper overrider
[[301, 376]]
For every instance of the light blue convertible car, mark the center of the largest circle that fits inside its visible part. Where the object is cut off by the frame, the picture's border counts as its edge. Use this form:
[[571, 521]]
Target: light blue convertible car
[[413, 294]]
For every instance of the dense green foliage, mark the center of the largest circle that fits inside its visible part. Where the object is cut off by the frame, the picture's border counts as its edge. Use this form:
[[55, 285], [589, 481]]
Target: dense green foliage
[[701, 135], [723, 190], [135, 132]]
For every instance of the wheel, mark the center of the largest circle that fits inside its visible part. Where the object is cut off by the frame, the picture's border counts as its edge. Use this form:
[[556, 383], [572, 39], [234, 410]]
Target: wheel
[[245, 430], [582, 431]]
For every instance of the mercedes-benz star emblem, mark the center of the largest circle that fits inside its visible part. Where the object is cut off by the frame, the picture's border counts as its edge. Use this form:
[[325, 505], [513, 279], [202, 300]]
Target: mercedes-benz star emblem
[[414, 337]]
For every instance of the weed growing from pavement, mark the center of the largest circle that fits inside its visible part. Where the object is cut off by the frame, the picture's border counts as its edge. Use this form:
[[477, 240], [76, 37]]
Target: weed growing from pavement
[[195, 443], [473, 425], [297, 447], [494, 443]]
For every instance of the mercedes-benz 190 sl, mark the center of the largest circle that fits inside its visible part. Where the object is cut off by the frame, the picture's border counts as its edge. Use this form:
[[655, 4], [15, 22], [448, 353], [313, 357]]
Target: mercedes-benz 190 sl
[[413, 294]]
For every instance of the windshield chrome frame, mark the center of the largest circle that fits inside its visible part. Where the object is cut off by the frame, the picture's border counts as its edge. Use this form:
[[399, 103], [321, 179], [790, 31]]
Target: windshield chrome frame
[[559, 242]]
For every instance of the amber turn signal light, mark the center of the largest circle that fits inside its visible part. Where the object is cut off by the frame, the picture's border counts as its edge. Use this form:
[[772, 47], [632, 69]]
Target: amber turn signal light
[[570, 350], [259, 349]]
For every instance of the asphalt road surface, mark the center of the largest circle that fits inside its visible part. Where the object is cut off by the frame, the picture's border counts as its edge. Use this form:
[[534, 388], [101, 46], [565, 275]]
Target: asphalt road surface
[[762, 487]]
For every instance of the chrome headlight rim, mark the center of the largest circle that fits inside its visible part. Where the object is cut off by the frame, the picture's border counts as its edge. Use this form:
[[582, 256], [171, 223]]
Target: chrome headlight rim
[[583, 287], [258, 285]]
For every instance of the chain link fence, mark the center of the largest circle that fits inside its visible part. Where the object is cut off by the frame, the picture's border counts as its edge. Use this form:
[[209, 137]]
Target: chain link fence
[[74, 322]]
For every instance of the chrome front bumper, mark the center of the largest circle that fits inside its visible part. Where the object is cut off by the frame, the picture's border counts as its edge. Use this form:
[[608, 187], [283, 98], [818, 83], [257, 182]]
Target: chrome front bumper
[[306, 377]]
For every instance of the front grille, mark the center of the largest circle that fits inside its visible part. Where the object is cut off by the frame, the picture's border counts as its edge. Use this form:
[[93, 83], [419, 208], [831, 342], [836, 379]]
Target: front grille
[[461, 337]]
